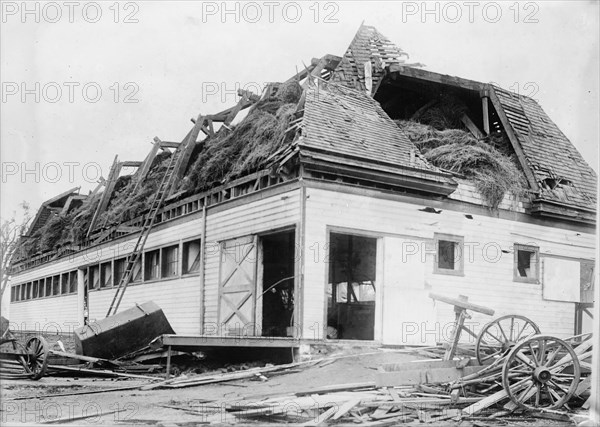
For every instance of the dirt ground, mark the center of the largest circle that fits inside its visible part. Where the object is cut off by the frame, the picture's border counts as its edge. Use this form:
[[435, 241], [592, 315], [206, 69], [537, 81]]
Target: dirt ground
[[31, 402]]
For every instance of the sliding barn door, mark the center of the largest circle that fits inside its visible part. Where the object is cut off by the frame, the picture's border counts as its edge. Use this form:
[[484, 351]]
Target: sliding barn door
[[408, 313], [237, 286]]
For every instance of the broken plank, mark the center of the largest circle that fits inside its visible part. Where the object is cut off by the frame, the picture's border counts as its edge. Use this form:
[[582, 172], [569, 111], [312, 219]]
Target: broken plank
[[84, 358], [320, 419], [100, 372], [424, 376], [345, 408], [497, 397]]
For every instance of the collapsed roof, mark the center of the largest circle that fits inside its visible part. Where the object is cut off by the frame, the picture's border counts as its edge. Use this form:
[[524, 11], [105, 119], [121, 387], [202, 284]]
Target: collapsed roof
[[337, 118]]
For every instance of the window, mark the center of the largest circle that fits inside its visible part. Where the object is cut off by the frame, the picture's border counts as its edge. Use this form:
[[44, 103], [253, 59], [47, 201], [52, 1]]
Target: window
[[13, 293], [449, 254], [35, 290], [137, 271], [151, 265], [73, 282], [191, 256], [41, 288], [526, 264], [170, 262], [106, 275], [55, 285], [48, 286], [119, 270], [94, 277], [64, 283]]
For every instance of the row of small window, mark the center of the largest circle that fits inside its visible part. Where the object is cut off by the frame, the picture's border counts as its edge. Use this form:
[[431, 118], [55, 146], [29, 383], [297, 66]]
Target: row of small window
[[450, 259], [162, 263], [156, 264], [60, 284]]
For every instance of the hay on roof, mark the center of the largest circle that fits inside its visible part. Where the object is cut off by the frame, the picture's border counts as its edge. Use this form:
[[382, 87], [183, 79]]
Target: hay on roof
[[244, 149], [493, 172]]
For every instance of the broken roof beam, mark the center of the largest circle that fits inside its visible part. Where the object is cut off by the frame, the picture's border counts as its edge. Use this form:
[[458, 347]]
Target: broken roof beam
[[143, 170], [466, 120], [227, 116], [131, 164], [187, 146], [113, 175], [513, 139]]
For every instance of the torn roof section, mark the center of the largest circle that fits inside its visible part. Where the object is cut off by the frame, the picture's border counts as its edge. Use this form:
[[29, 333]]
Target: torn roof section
[[368, 46], [348, 127], [563, 176], [57, 204], [558, 174]]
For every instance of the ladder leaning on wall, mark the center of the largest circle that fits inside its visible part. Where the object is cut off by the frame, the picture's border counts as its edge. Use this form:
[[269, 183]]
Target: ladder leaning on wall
[[157, 202]]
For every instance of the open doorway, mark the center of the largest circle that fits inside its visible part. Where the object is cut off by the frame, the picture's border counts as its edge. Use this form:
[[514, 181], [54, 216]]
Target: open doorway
[[351, 287], [277, 270]]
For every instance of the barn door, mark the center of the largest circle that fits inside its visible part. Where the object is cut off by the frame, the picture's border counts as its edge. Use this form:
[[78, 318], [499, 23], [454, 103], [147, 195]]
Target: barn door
[[237, 286], [408, 313]]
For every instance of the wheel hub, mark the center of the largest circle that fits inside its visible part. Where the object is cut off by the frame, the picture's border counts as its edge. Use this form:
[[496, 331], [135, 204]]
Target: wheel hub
[[542, 374]]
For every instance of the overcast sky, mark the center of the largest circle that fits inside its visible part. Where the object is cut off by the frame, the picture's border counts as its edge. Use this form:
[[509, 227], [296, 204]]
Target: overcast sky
[[172, 58]]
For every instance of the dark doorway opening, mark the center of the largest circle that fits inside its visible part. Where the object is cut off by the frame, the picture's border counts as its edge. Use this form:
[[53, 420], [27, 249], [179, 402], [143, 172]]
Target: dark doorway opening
[[278, 270], [351, 287]]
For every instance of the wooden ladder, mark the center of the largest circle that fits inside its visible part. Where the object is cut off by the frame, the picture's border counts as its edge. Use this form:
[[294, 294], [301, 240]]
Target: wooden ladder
[[157, 202]]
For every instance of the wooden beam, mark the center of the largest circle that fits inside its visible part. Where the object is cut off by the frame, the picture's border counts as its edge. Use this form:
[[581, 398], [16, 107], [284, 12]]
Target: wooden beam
[[145, 167], [187, 146], [471, 126], [165, 144], [486, 113], [513, 139], [105, 198], [131, 164], [430, 76]]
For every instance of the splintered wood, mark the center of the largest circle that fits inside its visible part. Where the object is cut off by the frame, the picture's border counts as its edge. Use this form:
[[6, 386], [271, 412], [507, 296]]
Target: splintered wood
[[541, 377]]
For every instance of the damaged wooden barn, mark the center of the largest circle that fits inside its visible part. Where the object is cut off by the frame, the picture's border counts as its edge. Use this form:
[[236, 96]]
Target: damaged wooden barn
[[327, 209]]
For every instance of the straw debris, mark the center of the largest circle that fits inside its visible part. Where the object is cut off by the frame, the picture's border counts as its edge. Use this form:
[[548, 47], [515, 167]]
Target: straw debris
[[487, 162]]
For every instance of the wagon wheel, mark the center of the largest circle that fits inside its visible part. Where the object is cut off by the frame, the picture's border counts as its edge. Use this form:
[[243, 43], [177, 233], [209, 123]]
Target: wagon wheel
[[35, 361], [541, 372], [499, 336]]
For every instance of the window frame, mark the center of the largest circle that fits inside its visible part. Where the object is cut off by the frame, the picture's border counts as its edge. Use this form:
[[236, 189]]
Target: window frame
[[185, 269], [166, 262], [459, 264], [149, 268], [526, 248], [93, 276], [103, 282]]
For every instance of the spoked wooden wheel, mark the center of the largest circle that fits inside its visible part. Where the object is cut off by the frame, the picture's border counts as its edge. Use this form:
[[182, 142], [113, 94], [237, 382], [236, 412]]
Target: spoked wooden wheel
[[541, 372], [499, 336], [35, 361]]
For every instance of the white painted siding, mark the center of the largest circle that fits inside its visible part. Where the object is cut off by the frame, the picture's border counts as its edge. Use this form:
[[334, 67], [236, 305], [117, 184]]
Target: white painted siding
[[467, 192], [179, 298], [260, 216], [488, 280], [54, 314]]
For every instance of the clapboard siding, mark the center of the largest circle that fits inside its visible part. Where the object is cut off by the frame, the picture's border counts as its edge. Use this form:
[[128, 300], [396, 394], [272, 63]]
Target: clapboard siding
[[487, 281], [467, 192], [178, 298], [257, 217], [56, 314]]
